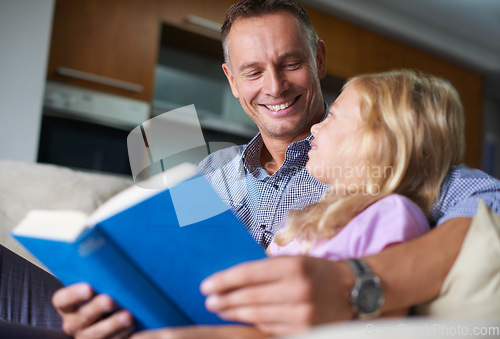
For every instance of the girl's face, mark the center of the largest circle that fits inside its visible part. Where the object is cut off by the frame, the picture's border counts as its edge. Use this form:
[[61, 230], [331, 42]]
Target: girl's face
[[336, 156]]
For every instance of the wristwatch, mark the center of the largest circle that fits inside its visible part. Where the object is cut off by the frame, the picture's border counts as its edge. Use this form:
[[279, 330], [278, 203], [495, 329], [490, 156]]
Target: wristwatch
[[367, 296]]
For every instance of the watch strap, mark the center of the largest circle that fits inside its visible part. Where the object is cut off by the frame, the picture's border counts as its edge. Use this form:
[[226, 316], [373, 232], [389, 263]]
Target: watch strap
[[359, 267]]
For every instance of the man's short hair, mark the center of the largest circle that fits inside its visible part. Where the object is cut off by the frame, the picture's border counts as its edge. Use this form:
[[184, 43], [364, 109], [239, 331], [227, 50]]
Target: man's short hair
[[256, 8]]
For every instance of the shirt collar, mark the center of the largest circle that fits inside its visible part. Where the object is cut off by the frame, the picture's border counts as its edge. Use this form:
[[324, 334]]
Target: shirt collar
[[251, 155]]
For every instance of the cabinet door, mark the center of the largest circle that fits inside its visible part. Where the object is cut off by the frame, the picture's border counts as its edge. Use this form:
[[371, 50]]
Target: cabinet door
[[199, 16], [106, 45]]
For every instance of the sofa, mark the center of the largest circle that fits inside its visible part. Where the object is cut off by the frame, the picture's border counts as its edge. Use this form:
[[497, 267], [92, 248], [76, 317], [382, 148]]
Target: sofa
[[25, 186]]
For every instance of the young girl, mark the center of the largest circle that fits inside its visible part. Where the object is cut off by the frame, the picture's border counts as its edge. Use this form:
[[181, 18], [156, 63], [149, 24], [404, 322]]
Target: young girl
[[385, 148]]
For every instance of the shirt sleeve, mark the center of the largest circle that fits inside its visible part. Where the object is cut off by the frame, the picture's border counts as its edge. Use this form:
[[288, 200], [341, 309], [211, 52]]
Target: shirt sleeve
[[461, 192], [391, 220]]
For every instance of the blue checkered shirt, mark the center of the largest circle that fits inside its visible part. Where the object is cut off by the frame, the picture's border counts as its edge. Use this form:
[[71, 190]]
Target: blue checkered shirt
[[460, 194], [261, 201]]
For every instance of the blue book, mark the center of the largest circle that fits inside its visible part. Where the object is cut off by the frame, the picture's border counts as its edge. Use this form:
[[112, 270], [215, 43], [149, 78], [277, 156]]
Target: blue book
[[149, 249]]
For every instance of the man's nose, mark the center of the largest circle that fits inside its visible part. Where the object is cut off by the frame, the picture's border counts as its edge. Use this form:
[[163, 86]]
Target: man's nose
[[274, 83]]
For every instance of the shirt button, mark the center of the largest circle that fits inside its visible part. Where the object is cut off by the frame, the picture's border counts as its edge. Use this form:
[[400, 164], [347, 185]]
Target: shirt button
[[276, 186], [262, 227]]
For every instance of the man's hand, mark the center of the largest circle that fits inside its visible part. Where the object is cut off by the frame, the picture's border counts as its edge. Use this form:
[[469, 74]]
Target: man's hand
[[282, 295], [83, 313]]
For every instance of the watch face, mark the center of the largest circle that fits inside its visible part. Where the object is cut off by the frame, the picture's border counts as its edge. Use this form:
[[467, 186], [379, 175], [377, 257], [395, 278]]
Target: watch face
[[369, 297]]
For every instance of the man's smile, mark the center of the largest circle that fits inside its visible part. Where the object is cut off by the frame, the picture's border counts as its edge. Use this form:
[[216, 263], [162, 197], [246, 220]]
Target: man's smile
[[280, 107]]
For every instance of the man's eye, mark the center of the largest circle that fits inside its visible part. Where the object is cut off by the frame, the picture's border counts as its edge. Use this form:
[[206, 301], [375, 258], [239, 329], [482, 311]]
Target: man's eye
[[252, 75], [293, 65]]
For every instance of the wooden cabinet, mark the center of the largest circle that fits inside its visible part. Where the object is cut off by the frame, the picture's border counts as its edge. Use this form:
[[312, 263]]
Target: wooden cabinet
[[112, 45], [109, 45], [198, 16]]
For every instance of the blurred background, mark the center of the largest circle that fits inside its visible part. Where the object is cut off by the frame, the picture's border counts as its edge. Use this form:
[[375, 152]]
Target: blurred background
[[76, 76]]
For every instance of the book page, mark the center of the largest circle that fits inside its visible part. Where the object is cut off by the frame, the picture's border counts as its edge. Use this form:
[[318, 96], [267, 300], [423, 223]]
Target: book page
[[62, 225], [135, 194]]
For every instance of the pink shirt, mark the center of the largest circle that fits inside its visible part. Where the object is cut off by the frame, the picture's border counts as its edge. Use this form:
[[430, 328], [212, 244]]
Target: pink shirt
[[390, 220]]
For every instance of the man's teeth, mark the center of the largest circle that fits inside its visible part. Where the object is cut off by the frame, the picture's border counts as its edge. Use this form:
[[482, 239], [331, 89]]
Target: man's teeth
[[279, 107]]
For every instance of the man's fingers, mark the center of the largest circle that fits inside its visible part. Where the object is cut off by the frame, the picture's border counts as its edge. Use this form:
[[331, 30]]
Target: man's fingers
[[240, 275], [83, 313], [117, 325], [87, 314], [251, 273], [293, 290], [68, 299]]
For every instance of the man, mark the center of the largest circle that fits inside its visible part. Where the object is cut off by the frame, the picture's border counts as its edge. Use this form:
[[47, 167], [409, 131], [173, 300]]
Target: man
[[273, 63]]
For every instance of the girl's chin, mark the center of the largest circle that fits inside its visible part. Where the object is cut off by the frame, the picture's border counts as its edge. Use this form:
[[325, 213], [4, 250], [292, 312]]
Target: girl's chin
[[317, 172]]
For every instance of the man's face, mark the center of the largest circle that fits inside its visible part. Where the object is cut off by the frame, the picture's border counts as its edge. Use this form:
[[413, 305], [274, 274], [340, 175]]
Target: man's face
[[274, 74]]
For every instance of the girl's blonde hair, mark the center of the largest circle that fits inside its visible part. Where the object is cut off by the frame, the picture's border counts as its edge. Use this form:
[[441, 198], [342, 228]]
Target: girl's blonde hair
[[413, 133]]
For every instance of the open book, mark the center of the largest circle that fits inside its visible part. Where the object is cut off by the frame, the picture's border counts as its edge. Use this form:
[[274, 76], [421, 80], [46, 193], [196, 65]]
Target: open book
[[149, 249]]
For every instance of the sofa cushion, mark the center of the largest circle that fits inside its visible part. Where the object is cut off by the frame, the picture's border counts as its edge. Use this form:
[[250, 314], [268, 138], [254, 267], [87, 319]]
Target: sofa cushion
[[472, 287]]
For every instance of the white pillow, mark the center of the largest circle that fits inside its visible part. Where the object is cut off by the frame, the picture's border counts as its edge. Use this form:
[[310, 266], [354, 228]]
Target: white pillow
[[472, 287]]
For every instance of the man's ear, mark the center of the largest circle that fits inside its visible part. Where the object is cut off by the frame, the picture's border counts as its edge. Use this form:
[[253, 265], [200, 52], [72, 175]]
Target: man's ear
[[230, 79], [321, 59]]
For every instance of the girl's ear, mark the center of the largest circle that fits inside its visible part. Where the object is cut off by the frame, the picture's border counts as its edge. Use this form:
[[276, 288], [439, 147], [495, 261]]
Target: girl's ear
[[230, 79]]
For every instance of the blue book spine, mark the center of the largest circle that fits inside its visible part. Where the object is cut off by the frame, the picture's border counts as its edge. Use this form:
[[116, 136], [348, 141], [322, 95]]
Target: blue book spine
[[94, 259]]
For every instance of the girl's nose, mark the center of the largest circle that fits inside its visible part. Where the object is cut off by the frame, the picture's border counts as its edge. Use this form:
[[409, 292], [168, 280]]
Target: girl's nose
[[314, 129]]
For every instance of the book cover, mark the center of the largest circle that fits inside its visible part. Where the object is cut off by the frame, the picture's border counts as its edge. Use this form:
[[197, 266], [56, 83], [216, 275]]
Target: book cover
[[148, 249]]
